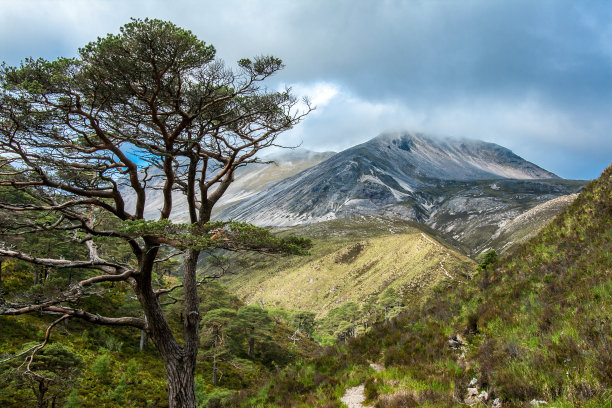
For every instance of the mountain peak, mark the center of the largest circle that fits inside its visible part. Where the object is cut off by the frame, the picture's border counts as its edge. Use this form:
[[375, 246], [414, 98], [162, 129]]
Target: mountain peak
[[455, 159], [406, 175]]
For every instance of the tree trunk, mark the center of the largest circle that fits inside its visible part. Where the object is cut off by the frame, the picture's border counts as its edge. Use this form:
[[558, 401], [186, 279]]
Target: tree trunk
[[40, 395], [179, 361], [180, 369], [181, 382], [214, 370], [144, 340], [252, 346]]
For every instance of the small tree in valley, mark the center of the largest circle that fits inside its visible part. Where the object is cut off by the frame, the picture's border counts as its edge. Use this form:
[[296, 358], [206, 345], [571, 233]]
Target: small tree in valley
[[255, 324]]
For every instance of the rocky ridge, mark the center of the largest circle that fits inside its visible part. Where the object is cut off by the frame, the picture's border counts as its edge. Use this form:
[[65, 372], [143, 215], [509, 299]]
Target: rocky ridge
[[467, 189]]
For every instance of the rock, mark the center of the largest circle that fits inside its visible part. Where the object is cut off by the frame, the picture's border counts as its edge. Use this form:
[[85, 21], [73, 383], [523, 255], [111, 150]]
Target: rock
[[483, 396], [456, 342], [474, 396], [496, 403], [353, 397], [536, 403], [473, 382]]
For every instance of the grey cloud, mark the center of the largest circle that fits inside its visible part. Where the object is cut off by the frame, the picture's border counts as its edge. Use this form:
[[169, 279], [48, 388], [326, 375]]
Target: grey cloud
[[465, 68]]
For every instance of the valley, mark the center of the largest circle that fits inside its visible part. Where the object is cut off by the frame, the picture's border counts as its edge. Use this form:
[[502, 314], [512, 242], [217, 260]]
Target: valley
[[391, 247], [531, 329], [349, 226], [360, 271]]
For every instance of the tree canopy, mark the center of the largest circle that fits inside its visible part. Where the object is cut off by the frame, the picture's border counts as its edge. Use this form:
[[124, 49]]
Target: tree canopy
[[87, 144]]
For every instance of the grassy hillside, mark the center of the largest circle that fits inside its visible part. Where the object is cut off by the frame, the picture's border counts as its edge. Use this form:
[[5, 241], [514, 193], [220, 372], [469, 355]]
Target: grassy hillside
[[534, 327], [353, 260], [528, 224]]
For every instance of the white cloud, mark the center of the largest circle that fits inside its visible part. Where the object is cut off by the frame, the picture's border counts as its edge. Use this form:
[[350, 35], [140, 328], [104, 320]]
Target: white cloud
[[532, 76], [542, 134], [319, 94]]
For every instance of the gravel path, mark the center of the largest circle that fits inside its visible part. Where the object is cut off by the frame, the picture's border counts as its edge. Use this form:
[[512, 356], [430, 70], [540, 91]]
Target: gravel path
[[353, 397]]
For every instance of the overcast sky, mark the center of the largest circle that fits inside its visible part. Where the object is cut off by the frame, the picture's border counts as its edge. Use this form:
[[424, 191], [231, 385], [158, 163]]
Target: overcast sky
[[533, 76]]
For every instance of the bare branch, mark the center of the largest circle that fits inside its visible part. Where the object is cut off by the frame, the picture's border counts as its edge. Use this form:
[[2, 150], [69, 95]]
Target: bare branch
[[98, 264], [43, 344], [96, 318]]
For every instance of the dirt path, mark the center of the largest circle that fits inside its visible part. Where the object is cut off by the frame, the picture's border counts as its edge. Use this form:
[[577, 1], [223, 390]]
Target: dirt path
[[446, 254], [353, 397]]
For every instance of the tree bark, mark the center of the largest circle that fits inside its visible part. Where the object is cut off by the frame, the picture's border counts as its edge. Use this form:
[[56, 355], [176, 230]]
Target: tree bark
[[181, 381], [40, 395], [180, 362], [214, 370], [144, 340], [252, 344]]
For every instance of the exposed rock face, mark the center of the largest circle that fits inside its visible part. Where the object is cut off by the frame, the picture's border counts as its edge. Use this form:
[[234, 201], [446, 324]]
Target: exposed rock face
[[250, 180], [467, 189], [527, 224], [254, 178]]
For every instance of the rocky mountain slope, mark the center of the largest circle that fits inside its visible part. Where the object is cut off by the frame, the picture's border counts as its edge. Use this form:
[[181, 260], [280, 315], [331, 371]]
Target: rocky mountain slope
[[465, 188], [249, 180], [528, 224], [256, 177]]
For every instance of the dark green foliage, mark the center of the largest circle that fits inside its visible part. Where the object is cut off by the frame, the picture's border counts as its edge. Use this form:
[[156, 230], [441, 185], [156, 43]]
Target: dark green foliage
[[229, 235], [50, 374], [108, 370], [95, 370], [488, 260], [101, 368]]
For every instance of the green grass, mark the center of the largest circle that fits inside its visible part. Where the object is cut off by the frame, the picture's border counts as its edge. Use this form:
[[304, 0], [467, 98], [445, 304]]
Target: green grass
[[114, 373], [351, 261], [536, 326]]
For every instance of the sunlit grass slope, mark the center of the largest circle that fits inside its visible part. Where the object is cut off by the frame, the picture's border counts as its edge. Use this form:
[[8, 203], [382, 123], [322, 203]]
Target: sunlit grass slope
[[352, 259]]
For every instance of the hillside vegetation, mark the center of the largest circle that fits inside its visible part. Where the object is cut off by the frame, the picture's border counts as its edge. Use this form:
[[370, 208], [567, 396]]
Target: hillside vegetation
[[362, 268], [91, 366], [533, 328]]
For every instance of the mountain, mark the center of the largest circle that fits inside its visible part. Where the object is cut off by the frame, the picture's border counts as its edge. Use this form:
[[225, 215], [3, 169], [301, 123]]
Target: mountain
[[532, 329], [458, 186], [249, 180], [255, 177], [528, 224]]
